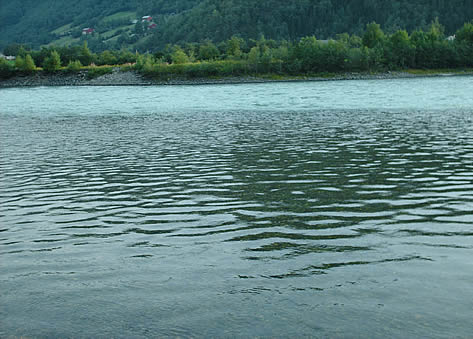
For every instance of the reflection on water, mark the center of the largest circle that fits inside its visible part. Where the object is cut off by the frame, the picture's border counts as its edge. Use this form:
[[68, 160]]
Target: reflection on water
[[251, 223]]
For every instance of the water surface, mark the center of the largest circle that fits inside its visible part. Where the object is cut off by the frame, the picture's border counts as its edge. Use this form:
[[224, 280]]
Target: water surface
[[321, 209]]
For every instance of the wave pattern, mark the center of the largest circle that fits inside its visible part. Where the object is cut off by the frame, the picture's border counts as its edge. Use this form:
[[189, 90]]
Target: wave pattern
[[258, 203]]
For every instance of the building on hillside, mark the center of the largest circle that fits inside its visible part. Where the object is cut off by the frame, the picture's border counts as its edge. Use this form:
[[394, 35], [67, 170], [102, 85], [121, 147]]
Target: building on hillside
[[152, 26], [88, 30], [7, 57], [147, 18]]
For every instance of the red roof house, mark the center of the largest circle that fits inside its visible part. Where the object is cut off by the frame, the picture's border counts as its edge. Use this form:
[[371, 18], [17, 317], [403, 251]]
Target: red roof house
[[88, 30], [147, 18]]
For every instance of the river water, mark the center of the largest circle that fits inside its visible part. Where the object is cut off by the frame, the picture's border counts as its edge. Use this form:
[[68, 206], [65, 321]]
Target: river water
[[319, 209]]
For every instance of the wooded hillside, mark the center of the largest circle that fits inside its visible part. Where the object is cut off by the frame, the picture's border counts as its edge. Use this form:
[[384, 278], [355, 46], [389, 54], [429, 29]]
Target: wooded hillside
[[178, 21]]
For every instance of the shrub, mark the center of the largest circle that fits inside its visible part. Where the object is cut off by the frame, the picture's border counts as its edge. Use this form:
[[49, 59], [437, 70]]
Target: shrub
[[53, 62], [95, 72], [74, 66], [29, 64], [6, 69], [19, 63]]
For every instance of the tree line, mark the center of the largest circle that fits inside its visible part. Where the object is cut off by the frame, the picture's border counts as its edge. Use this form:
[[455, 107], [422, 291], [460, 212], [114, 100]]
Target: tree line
[[374, 50], [218, 20]]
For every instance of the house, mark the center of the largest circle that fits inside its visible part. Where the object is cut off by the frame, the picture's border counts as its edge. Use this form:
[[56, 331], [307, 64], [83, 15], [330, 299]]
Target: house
[[146, 18], [451, 38], [7, 57], [87, 30], [152, 26], [134, 21]]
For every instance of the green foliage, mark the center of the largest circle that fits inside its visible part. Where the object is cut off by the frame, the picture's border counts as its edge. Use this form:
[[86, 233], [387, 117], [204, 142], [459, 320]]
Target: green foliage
[[179, 56], [20, 63], [85, 56], [95, 72], [52, 63], [373, 35], [74, 66], [373, 52], [29, 64], [15, 49], [106, 58], [208, 51], [234, 46], [180, 21], [6, 69], [436, 30], [465, 34], [401, 52]]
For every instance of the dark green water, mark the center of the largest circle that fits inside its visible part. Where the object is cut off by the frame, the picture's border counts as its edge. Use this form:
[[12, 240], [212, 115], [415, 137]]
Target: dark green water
[[335, 209]]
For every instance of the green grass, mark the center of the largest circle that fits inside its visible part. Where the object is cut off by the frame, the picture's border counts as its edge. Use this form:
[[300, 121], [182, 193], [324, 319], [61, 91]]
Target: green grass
[[62, 29], [97, 71], [120, 15], [439, 71], [113, 32], [64, 41]]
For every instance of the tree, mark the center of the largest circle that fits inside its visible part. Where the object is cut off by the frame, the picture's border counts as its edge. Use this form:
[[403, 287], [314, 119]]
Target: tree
[[74, 66], [107, 58], [464, 44], [15, 49], [401, 50], [19, 63], [179, 56], [253, 57], [25, 64], [6, 69], [139, 29], [234, 46], [208, 51], [53, 62], [29, 64], [85, 56], [465, 34], [436, 30], [373, 35]]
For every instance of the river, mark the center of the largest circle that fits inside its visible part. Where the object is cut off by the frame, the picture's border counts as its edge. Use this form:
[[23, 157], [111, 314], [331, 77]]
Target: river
[[306, 209]]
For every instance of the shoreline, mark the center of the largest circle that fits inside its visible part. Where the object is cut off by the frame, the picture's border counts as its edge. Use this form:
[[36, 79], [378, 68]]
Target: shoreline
[[132, 78]]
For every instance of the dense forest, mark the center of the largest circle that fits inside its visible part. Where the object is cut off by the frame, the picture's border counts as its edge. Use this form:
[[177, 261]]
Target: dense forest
[[33, 22]]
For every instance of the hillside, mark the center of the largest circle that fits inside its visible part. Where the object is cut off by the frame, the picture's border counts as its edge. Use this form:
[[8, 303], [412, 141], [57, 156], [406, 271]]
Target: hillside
[[60, 22]]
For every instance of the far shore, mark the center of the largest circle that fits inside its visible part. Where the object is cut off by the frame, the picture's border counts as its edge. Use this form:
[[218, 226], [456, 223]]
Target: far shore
[[132, 78]]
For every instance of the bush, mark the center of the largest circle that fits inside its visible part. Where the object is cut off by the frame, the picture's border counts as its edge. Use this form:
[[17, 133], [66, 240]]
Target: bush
[[52, 63], [74, 66], [25, 65], [6, 69], [19, 63], [29, 64], [95, 72]]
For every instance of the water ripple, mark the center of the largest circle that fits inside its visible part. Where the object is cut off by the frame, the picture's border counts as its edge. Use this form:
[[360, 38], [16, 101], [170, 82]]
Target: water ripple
[[128, 207]]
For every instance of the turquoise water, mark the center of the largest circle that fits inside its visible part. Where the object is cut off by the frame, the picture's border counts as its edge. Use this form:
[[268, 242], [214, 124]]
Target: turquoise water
[[317, 209]]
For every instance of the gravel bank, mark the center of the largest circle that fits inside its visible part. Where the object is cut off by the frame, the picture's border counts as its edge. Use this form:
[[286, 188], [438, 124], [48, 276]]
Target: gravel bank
[[131, 78]]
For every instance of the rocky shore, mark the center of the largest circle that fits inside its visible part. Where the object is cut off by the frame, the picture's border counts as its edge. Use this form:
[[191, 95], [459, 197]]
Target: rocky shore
[[131, 78]]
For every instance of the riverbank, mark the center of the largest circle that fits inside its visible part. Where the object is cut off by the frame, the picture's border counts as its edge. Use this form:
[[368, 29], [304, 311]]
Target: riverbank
[[119, 77]]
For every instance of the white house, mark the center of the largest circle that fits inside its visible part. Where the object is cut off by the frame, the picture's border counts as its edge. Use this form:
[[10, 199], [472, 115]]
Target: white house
[[7, 57]]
